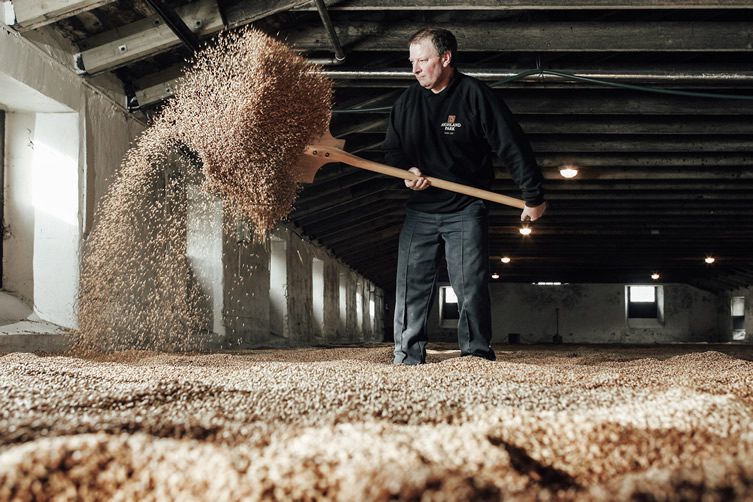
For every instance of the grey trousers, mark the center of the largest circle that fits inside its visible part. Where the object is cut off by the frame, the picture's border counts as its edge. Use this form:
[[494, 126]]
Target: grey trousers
[[464, 236]]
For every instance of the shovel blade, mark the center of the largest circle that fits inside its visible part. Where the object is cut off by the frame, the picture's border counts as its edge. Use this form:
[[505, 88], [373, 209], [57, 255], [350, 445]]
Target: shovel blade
[[307, 165]]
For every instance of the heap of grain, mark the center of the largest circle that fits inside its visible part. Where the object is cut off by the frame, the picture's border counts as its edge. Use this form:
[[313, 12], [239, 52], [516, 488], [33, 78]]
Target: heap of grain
[[246, 108], [564, 423]]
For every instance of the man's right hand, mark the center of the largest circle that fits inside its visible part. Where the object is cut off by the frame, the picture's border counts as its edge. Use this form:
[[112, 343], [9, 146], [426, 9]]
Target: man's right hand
[[419, 183]]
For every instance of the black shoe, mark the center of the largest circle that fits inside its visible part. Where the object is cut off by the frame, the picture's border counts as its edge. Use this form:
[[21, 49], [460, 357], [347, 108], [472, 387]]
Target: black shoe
[[489, 356]]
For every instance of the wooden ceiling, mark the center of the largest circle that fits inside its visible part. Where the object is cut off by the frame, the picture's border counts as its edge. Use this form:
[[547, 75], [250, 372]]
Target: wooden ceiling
[[666, 178]]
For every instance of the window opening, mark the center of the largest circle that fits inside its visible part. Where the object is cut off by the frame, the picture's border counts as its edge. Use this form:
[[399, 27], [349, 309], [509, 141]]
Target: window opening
[[449, 310], [737, 308]]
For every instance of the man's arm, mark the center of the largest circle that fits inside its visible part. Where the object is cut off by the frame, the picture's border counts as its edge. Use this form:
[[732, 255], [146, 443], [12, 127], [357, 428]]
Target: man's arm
[[394, 153], [508, 141]]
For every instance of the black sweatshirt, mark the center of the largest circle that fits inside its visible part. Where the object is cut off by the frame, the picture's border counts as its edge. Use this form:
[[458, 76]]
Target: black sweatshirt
[[452, 135]]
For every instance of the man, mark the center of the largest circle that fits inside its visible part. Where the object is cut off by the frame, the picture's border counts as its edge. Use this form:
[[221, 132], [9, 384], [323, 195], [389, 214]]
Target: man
[[449, 126]]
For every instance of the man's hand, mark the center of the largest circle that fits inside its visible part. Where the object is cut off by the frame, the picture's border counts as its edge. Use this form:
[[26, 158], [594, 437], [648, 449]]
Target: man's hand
[[533, 213], [419, 183]]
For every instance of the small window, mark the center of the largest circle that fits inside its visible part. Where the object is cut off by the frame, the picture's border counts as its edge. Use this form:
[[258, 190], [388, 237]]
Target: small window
[[737, 308], [278, 287], [644, 305], [359, 306], [343, 300], [642, 302], [449, 311], [317, 293], [372, 314]]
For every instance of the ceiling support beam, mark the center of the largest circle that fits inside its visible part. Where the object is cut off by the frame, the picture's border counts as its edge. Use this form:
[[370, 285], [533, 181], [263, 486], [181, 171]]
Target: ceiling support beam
[[492, 5], [640, 160], [595, 102], [149, 36], [24, 15], [242, 13], [633, 77], [543, 37], [710, 126], [175, 23], [331, 34], [163, 90]]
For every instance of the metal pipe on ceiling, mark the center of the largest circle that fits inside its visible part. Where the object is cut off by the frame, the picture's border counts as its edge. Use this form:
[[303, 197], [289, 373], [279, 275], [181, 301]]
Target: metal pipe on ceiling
[[175, 23], [339, 54], [638, 76]]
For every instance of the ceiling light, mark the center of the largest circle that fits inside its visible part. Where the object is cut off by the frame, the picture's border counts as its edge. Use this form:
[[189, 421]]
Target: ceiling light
[[505, 259], [495, 275], [569, 171], [655, 276], [525, 230], [709, 259]]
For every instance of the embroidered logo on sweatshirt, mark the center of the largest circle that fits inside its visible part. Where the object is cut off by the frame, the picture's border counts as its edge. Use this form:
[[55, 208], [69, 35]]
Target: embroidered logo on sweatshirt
[[450, 126]]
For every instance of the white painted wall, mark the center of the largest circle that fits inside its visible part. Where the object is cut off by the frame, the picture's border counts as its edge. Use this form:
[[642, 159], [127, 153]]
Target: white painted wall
[[64, 142], [57, 217], [42, 213], [18, 246], [204, 250], [591, 313]]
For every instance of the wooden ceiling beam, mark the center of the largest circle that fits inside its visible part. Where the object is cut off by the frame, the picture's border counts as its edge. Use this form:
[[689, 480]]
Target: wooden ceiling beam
[[242, 13], [634, 160], [613, 102], [369, 204], [694, 187], [463, 5], [710, 126], [641, 143], [607, 173], [610, 143], [347, 228], [25, 15], [148, 37], [619, 36], [641, 160]]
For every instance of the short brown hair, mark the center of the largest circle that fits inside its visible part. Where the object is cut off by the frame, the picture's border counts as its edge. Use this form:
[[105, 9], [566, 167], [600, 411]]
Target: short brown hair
[[443, 40]]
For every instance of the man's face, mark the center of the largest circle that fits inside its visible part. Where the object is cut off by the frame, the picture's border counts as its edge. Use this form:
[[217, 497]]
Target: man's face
[[430, 69]]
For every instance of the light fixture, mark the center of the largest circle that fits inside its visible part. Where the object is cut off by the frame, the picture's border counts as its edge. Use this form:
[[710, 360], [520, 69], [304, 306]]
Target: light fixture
[[505, 259], [525, 229], [495, 275], [655, 276], [569, 171], [709, 259]]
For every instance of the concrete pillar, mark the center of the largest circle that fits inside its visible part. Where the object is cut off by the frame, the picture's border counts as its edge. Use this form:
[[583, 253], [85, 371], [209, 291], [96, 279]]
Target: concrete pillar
[[299, 292], [331, 300], [246, 295], [204, 249], [278, 287]]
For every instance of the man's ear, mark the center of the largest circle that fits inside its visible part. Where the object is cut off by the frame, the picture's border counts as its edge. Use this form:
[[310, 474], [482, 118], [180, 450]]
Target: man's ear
[[446, 58]]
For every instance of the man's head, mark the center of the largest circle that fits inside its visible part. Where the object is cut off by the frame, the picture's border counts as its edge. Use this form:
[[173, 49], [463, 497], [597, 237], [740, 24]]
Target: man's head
[[432, 55]]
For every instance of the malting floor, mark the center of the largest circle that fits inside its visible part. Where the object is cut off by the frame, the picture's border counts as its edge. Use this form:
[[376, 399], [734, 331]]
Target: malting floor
[[559, 422]]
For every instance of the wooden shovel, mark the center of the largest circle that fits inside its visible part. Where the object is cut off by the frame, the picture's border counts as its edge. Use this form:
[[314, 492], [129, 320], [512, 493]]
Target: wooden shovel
[[327, 148]]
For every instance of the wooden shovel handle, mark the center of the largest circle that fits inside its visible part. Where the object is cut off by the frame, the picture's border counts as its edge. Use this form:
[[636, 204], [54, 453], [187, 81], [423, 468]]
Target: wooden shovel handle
[[332, 154]]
